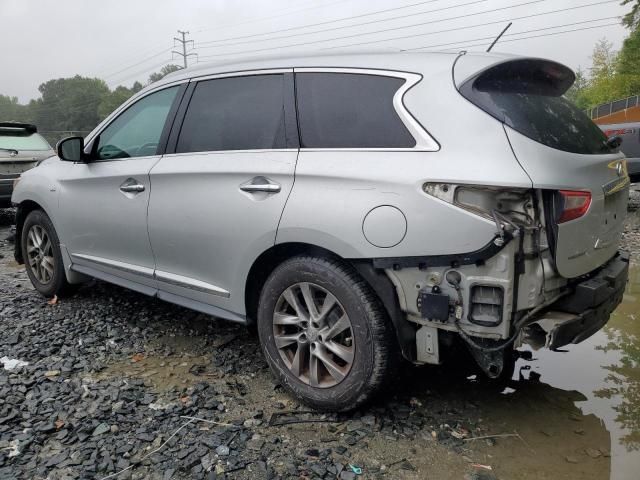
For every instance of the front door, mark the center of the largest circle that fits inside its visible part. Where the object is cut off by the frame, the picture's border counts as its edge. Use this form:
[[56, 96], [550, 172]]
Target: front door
[[103, 203], [216, 202]]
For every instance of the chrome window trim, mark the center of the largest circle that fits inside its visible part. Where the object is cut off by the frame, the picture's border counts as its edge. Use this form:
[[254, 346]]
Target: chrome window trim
[[424, 141], [243, 73], [190, 283], [116, 265], [219, 152], [116, 113]]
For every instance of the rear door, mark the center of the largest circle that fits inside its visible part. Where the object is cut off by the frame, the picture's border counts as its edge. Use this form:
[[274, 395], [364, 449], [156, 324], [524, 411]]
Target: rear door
[[217, 199], [562, 151]]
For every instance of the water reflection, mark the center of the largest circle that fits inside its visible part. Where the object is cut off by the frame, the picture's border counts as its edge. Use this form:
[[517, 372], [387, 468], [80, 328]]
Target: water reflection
[[606, 370]]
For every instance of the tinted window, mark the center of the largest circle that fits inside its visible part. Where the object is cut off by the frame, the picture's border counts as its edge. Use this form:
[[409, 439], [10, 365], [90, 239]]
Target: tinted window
[[235, 113], [527, 96], [136, 132], [339, 110]]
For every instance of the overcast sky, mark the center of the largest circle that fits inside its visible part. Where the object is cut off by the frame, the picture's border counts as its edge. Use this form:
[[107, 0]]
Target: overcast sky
[[125, 40]]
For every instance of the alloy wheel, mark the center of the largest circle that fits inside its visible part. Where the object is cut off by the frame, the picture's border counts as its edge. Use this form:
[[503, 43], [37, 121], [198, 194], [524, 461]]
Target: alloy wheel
[[40, 254], [313, 335]]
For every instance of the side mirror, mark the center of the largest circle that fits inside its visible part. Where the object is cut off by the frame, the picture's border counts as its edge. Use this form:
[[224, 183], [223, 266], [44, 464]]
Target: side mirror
[[71, 149], [614, 142]]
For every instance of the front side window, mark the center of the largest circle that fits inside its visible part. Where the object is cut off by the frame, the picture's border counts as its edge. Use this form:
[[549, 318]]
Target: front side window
[[235, 113], [136, 132], [344, 110]]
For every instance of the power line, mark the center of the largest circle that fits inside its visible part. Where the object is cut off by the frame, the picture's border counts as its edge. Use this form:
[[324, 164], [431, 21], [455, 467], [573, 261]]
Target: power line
[[288, 12], [183, 40], [531, 2], [139, 72], [492, 37], [318, 24], [166, 50], [539, 36], [524, 17]]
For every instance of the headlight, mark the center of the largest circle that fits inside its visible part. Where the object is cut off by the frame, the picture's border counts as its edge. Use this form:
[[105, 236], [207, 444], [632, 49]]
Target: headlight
[[15, 182]]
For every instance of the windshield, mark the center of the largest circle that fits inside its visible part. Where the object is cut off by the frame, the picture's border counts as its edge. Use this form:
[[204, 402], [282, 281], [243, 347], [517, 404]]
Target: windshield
[[31, 142]]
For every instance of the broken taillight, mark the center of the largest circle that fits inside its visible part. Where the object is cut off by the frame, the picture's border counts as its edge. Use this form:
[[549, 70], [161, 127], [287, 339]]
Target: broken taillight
[[573, 204]]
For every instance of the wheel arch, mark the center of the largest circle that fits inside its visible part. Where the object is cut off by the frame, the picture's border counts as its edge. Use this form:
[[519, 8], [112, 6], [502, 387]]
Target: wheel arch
[[377, 280]]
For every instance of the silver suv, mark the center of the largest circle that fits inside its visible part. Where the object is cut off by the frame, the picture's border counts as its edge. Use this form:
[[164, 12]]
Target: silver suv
[[357, 209]]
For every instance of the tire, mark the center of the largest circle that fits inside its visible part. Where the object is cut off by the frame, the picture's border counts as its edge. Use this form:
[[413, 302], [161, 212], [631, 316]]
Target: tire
[[369, 340], [51, 280]]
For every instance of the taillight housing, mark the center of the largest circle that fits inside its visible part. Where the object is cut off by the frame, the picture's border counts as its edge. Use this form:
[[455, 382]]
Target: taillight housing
[[573, 204]]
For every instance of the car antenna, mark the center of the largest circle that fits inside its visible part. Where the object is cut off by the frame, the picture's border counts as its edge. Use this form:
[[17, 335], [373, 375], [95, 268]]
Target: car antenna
[[499, 36]]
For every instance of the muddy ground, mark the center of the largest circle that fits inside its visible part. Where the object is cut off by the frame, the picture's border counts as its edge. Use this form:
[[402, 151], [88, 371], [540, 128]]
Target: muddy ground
[[115, 379]]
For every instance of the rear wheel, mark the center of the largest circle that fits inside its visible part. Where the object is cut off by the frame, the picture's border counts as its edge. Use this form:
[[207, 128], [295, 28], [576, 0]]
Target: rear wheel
[[324, 333], [42, 256]]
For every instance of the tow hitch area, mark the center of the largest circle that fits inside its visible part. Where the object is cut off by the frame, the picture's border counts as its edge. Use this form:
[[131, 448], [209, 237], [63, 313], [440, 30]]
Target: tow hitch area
[[582, 313]]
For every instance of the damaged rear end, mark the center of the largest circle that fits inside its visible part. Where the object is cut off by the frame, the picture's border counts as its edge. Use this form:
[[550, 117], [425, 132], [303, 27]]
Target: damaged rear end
[[580, 185], [553, 273]]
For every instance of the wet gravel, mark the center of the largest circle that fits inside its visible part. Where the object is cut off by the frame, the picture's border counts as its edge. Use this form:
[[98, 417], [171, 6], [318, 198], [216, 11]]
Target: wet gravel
[[118, 385]]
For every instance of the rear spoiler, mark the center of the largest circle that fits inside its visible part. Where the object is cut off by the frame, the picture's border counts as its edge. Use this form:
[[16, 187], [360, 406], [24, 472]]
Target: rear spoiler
[[512, 74], [17, 129]]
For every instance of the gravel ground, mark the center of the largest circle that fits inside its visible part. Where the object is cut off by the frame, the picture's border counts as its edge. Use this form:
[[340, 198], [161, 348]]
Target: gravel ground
[[113, 377]]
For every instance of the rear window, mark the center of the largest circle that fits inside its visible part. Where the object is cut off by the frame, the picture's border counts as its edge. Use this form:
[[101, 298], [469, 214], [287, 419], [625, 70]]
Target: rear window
[[31, 142], [527, 95], [343, 110]]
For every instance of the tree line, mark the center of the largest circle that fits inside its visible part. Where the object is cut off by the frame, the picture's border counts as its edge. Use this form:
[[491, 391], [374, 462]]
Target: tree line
[[72, 105], [612, 75]]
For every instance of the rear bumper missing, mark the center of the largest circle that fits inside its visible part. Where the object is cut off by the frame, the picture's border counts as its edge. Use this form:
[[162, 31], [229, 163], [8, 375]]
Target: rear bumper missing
[[587, 309]]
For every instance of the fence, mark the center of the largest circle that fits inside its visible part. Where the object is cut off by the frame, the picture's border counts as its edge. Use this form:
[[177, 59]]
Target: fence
[[613, 107]]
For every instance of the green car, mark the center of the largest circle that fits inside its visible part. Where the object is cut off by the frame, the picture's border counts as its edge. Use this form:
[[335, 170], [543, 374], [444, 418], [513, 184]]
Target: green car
[[21, 148]]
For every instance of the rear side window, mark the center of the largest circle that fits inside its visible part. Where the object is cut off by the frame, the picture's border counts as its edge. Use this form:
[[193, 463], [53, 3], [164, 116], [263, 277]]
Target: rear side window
[[235, 113], [343, 110], [527, 95]]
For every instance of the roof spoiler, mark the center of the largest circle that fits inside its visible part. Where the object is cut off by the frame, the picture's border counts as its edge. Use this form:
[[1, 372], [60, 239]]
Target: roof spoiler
[[513, 74], [17, 129]]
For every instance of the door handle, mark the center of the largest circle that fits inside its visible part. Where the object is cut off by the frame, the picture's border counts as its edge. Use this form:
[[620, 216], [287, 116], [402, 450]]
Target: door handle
[[260, 184], [137, 188]]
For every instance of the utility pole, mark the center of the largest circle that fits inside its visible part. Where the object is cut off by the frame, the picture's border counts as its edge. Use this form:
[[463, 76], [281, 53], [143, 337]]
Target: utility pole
[[184, 42]]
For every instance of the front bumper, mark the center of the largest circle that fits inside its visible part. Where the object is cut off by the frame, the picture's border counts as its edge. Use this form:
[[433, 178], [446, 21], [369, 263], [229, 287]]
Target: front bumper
[[587, 309]]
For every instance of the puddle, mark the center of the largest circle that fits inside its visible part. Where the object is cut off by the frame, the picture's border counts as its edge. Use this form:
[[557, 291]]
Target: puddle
[[605, 370]]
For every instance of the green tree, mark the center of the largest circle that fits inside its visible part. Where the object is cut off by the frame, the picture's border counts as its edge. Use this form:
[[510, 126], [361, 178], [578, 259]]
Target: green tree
[[69, 104], [604, 59], [12, 111], [576, 92], [629, 57], [164, 71], [632, 19]]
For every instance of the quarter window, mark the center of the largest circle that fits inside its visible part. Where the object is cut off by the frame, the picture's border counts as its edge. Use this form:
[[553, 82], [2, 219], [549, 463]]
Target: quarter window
[[136, 132], [235, 113], [343, 110]]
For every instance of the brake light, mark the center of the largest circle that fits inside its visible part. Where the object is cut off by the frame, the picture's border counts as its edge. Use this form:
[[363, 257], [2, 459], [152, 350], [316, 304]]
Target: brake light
[[574, 204]]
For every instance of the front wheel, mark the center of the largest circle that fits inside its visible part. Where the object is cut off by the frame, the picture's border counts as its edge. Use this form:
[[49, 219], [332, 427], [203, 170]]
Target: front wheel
[[42, 256], [324, 333]]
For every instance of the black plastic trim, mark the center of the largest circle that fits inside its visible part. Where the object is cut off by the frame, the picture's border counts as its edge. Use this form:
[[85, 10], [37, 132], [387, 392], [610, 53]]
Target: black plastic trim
[[176, 125], [477, 257], [171, 117], [292, 134]]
